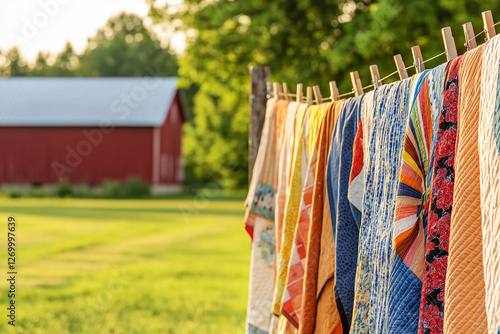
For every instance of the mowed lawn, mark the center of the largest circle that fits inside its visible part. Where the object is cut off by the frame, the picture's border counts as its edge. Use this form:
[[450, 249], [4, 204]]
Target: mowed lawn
[[127, 266]]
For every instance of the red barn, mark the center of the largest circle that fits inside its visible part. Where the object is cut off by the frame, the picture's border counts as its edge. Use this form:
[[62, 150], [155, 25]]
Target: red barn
[[87, 130]]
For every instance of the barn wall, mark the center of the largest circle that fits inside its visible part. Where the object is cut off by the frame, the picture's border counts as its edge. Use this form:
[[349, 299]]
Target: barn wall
[[83, 155], [171, 169]]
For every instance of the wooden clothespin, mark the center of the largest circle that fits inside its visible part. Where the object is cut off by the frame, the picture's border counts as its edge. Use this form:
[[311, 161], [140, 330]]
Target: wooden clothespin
[[356, 83], [375, 76], [286, 91], [309, 95], [300, 93], [403, 74], [418, 60], [334, 92], [470, 37], [276, 90], [317, 95], [449, 43], [489, 25]]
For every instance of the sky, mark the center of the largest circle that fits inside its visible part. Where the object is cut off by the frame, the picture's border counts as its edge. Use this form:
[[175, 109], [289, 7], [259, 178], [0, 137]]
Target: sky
[[46, 25]]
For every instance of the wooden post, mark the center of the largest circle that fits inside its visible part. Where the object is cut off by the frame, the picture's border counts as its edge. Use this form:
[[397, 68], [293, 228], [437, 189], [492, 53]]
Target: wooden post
[[259, 76]]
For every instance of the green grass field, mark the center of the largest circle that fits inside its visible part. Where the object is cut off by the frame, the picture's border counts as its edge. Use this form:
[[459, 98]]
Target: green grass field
[[175, 265]]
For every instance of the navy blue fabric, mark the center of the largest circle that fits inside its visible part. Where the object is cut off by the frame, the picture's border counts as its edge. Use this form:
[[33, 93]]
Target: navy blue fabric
[[345, 227], [404, 306], [356, 214]]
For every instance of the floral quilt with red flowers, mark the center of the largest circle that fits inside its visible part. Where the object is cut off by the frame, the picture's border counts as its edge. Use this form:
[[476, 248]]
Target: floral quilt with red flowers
[[441, 199]]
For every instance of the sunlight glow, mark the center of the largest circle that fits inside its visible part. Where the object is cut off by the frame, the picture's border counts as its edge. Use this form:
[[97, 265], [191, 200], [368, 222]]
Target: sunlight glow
[[46, 25]]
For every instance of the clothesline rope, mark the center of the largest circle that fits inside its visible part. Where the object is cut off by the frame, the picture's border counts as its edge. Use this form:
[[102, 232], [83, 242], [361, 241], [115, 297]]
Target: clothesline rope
[[330, 98], [436, 56], [479, 33], [387, 76]]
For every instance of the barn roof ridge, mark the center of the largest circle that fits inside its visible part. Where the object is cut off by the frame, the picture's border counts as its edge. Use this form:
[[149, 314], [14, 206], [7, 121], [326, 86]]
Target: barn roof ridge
[[86, 101]]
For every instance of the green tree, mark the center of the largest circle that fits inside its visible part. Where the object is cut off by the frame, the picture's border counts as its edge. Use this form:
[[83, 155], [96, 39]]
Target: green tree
[[125, 47], [307, 41], [3, 64], [66, 63], [13, 64], [41, 66]]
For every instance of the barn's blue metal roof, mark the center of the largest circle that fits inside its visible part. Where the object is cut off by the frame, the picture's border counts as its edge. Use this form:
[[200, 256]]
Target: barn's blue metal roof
[[31, 101]]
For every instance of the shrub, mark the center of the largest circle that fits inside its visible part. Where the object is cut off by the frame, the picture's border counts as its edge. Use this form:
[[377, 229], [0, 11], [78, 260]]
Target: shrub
[[134, 187], [83, 192], [111, 189], [38, 192], [14, 194], [64, 189]]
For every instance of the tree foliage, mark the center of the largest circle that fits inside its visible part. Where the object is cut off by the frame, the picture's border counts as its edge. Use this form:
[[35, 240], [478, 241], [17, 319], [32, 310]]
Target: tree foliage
[[126, 47], [307, 41]]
